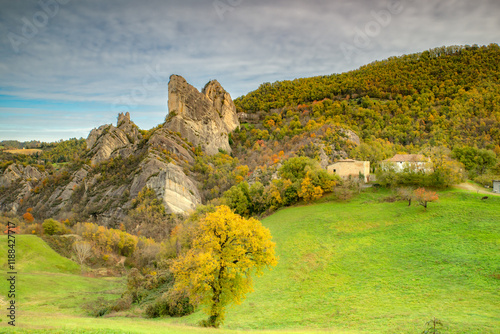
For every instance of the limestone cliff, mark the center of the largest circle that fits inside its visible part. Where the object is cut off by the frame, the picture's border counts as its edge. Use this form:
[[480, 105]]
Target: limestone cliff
[[16, 172], [205, 118], [19, 181], [108, 141], [178, 192], [223, 104]]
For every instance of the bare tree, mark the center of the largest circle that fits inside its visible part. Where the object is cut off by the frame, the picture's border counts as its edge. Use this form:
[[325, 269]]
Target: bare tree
[[83, 250]]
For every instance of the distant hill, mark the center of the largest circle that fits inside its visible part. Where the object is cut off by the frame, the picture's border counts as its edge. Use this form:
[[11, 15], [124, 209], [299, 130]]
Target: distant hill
[[447, 95]]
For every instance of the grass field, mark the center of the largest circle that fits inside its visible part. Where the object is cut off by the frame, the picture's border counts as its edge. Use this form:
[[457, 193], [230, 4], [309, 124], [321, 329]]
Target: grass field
[[28, 151], [367, 266]]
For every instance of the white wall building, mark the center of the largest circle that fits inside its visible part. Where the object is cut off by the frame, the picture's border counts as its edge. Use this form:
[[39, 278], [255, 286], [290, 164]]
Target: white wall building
[[411, 162]]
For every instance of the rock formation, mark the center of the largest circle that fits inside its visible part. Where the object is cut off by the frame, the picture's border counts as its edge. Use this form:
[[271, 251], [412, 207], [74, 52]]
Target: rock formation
[[178, 192], [204, 119], [108, 141], [20, 181], [16, 172], [105, 192]]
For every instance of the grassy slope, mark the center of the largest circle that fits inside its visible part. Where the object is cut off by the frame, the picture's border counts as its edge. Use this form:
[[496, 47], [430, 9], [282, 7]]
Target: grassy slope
[[362, 267], [381, 267]]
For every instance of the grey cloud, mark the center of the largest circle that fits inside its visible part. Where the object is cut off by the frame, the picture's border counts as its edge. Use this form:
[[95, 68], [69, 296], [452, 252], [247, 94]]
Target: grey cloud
[[99, 52]]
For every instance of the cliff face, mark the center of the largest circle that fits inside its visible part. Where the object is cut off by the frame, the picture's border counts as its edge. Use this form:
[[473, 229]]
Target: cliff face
[[178, 192], [108, 141], [205, 118], [223, 104], [19, 182]]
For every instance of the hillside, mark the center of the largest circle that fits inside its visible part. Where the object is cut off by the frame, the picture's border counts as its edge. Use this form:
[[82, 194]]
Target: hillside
[[48, 284], [445, 96], [365, 266]]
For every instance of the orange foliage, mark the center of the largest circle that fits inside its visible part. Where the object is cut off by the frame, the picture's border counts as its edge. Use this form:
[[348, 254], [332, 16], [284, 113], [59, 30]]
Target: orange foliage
[[28, 217]]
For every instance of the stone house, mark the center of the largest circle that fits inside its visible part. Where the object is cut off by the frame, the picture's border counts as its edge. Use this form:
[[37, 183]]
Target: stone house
[[413, 162], [496, 186], [350, 168]]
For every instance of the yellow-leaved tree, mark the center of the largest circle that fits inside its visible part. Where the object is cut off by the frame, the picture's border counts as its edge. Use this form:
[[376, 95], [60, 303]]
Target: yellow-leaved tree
[[308, 192], [226, 250]]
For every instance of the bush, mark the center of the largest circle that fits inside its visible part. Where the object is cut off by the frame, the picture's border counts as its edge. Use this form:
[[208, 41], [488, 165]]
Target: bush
[[51, 227], [124, 303], [170, 304], [98, 308]]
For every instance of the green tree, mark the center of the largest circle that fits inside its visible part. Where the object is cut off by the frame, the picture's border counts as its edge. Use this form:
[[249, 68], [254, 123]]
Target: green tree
[[238, 198], [51, 227], [476, 161], [226, 251]]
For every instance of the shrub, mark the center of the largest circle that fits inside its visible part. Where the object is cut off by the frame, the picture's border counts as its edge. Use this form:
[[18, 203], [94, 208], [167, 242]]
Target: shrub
[[124, 303], [170, 304], [99, 307], [51, 227]]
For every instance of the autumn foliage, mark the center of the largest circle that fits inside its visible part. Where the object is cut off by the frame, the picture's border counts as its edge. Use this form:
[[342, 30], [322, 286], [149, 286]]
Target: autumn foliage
[[423, 196], [226, 251], [28, 217]]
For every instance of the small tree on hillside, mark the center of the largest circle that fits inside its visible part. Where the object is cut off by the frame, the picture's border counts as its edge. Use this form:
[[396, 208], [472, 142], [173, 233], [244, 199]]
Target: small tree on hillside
[[83, 251], [217, 270], [423, 196], [406, 194], [308, 192], [28, 217]]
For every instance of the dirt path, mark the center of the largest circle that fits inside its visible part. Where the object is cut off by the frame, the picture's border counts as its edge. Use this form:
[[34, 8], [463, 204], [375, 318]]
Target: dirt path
[[476, 189]]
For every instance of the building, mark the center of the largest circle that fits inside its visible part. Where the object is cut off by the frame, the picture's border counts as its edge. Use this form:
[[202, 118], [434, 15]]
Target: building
[[411, 162], [496, 186], [350, 168]]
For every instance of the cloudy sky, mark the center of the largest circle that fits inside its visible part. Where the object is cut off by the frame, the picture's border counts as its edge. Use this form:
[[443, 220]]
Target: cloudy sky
[[67, 66]]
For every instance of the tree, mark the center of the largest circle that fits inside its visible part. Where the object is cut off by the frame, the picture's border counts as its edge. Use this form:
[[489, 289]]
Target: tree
[[52, 227], [423, 196], [28, 217], [308, 191], [406, 194], [238, 198], [476, 161], [83, 251], [217, 270]]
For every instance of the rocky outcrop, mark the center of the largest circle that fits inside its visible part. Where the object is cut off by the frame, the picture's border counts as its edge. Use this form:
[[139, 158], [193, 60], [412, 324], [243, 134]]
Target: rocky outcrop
[[100, 193], [164, 139], [108, 141], [249, 118], [204, 119], [350, 135], [62, 195], [20, 182], [178, 192], [223, 104], [16, 172]]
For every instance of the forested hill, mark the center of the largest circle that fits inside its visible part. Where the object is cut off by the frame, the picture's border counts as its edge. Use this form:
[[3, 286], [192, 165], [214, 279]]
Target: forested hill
[[442, 71], [446, 96]]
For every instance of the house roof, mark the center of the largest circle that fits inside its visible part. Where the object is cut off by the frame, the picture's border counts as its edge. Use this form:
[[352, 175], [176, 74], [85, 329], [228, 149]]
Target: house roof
[[408, 158]]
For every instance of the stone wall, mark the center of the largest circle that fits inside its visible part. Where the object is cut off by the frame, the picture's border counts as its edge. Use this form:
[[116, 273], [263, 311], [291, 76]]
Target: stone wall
[[350, 168]]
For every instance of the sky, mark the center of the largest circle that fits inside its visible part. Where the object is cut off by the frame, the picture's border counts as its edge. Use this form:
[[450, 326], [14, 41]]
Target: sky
[[68, 66]]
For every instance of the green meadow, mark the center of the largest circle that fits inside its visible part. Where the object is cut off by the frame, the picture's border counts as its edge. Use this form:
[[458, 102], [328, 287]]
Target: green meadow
[[369, 265]]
